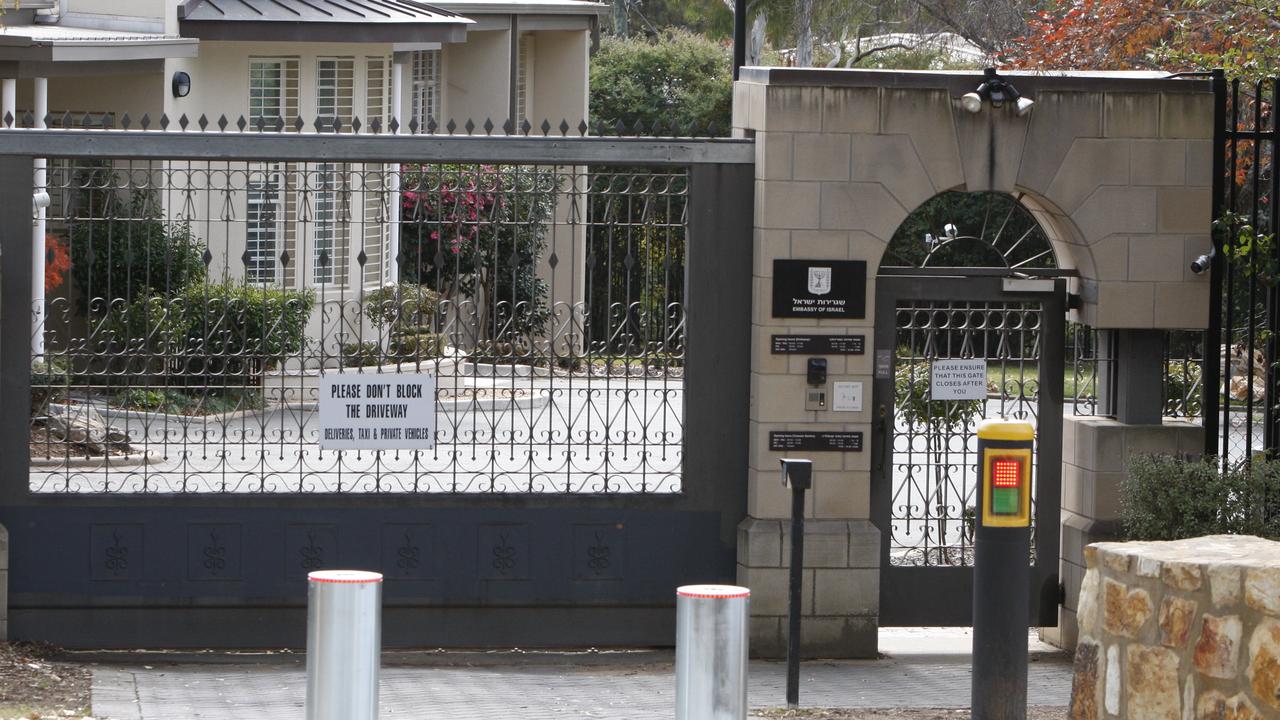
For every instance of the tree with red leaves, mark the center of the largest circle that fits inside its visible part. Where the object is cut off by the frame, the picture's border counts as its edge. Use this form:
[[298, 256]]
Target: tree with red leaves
[[57, 262], [1242, 36]]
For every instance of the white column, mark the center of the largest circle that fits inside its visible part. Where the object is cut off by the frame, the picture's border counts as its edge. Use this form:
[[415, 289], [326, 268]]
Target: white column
[[393, 212], [38, 251], [9, 99]]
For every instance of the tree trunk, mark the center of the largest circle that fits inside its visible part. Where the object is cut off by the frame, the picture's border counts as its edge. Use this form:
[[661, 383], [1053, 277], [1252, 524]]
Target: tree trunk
[[804, 33], [620, 20], [755, 42]]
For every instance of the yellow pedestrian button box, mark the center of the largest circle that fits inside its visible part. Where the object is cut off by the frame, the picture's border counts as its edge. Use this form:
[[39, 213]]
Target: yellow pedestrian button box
[[1004, 448]]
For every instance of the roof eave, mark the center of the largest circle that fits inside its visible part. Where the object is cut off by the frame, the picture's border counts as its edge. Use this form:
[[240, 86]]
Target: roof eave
[[519, 8], [309, 31]]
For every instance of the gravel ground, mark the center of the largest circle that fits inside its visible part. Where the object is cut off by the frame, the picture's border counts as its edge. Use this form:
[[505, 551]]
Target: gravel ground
[[33, 687]]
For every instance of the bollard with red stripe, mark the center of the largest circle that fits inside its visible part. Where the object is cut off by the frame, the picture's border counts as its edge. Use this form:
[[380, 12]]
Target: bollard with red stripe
[[344, 643], [711, 652]]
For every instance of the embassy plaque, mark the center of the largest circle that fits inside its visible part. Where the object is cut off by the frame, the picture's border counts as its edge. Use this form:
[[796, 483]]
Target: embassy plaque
[[819, 288], [815, 441], [819, 344]]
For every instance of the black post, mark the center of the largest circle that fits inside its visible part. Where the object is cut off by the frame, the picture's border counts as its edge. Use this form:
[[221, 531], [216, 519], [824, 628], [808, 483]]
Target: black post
[[739, 36], [1002, 572], [798, 474], [1212, 373]]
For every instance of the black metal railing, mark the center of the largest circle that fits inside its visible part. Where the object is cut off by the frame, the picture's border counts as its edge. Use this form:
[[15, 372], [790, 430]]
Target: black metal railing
[[192, 306], [1239, 381]]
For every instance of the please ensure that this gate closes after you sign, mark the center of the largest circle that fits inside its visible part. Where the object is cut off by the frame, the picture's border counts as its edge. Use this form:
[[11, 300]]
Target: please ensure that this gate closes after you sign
[[377, 412], [958, 380]]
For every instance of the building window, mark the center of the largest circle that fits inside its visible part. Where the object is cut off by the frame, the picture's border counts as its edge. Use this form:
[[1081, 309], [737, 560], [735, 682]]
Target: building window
[[524, 79], [335, 90], [332, 224], [273, 90], [264, 219], [426, 87], [375, 233]]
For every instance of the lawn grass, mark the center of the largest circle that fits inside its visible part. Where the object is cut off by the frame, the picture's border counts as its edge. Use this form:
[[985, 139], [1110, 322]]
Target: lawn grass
[[1072, 386]]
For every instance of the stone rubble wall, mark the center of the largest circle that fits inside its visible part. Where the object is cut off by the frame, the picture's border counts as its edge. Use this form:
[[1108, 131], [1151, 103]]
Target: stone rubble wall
[[1182, 630]]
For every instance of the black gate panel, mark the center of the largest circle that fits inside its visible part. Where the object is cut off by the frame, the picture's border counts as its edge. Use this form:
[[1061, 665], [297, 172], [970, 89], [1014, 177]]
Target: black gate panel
[[924, 477], [125, 577], [209, 542]]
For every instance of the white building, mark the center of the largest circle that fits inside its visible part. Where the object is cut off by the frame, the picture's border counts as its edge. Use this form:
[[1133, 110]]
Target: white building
[[272, 61]]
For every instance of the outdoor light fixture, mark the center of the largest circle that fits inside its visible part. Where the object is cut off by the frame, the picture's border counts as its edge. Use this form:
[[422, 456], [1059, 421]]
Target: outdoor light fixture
[[997, 91], [181, 84]]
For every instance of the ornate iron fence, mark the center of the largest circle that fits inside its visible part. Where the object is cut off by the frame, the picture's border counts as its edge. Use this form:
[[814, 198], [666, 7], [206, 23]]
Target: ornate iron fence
[[1239, 390], [193, 306]]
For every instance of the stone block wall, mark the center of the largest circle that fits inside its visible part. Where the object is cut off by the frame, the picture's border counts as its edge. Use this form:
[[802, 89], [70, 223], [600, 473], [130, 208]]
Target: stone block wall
[[840, 585], [1095, 457], [1114, 166], [1183, 630]]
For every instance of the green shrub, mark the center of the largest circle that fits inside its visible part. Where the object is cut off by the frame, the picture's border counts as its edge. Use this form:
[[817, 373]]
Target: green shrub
[[203, 401], [1166, 498], [127, 251], [403, 306], [405, 347], [677, 79], [224, 327]]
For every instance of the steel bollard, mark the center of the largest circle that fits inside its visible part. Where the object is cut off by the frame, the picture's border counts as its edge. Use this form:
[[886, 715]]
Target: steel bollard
[[711, 652], [344, 641]]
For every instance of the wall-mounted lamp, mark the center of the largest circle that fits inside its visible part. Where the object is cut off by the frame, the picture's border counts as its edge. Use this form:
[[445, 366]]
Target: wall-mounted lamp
[[997, 91], [181, 84]]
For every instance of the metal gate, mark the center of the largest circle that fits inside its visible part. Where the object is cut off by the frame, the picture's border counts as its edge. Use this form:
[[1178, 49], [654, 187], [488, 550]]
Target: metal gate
[[924, 475], [168, 487]]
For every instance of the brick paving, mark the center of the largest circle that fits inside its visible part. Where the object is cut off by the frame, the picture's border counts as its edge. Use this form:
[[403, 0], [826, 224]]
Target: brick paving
[[631, 689]]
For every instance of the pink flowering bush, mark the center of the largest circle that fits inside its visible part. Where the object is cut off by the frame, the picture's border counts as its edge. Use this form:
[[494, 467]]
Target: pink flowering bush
[[478, 232]]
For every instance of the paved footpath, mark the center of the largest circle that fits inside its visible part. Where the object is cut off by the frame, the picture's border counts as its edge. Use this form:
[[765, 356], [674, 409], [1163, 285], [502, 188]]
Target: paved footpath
[[919, 671]]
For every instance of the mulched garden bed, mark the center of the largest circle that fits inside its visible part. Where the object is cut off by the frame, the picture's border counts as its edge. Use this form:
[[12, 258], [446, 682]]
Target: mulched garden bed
[[34, 687]]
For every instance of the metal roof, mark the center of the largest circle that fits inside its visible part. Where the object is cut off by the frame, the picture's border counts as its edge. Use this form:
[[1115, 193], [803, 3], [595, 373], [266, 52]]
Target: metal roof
[[65, 43], [320, 21]]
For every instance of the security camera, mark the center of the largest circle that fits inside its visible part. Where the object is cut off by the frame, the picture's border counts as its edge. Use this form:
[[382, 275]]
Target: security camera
[[1204, 262], [950, 230]]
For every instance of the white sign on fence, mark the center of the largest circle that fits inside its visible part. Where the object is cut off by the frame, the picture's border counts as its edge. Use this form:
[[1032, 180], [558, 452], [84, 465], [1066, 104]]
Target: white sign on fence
[[373, 412], [958, 380]]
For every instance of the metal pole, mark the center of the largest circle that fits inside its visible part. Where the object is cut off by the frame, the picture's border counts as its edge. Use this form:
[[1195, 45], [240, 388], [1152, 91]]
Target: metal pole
[[9, 102], [344, 641], [711, 652], [794, 596], [38, 250], [798, 475], [391, 263], [739, 36], [1002, 571], [1213, 345]]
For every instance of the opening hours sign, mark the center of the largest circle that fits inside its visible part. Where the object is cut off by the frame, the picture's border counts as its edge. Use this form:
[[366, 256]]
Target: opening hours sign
[[377, 412]]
